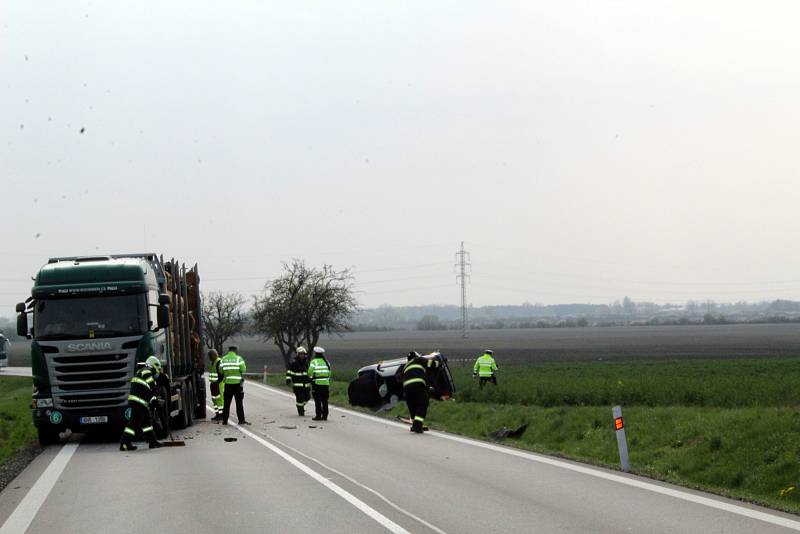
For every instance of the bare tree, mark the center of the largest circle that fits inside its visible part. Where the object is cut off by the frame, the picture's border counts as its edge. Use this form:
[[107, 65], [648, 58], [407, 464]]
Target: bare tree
[[223, 318], [301, 304]]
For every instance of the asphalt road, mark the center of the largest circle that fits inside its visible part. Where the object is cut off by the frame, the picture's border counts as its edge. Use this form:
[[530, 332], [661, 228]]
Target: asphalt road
[[353, 473]]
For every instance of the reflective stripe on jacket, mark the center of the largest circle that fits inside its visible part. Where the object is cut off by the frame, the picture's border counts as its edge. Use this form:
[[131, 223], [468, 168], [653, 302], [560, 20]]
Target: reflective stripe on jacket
[[143, 387], [319, 372], [485, 366], [212, 370], [297, 373], [416, 371], [232, 368]]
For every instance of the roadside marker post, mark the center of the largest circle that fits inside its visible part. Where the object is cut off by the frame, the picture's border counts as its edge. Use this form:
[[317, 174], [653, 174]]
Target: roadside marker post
[[622, 444], [265, 374]]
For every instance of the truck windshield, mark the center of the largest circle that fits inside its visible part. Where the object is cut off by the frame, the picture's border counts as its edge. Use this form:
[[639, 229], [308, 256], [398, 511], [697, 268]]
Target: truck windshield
[[90, 317]]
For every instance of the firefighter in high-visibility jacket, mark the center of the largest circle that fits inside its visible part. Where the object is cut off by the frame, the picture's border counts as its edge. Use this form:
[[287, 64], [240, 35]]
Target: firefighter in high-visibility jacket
[[415, 388], [319, 373], [485, 369], [233, 369], [216, 383], [297, 378], [142, 397]]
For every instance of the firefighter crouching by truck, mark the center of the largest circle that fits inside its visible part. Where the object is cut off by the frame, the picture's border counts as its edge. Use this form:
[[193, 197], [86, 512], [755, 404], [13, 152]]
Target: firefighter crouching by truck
[[141, 399], [415, 388], [297, 378]]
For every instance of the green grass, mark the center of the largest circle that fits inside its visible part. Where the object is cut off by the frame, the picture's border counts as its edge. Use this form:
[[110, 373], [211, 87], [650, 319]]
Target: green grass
[[16, 429], [731, 427], [721, 383]]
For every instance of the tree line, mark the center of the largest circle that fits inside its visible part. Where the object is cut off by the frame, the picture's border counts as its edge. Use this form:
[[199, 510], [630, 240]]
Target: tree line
[[294, 309]]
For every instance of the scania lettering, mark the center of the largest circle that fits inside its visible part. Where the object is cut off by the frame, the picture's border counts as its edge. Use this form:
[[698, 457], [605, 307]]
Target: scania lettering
[[95, 318]]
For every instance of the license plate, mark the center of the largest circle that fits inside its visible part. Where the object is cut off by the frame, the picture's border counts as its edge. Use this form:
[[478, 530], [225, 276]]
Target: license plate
[[94, 420]]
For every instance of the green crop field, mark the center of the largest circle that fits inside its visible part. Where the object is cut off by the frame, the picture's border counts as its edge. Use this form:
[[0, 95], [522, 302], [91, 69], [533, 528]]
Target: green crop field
[[731, 427], [16, 429]]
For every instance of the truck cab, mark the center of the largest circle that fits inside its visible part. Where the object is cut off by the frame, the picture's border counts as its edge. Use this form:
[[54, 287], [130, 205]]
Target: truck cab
[[96, 318]]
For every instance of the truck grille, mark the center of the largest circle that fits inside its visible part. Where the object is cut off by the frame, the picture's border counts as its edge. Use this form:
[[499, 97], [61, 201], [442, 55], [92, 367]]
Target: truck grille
[[90, 380]]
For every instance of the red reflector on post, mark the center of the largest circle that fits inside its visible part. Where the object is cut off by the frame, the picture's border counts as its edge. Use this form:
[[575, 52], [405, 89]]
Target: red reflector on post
[[618, 425]]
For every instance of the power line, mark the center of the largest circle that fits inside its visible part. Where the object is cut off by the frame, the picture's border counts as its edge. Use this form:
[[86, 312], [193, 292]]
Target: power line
[[404, 290], [523, 270]]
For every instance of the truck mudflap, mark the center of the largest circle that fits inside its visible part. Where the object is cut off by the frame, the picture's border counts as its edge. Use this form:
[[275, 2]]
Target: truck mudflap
[[380, 385]]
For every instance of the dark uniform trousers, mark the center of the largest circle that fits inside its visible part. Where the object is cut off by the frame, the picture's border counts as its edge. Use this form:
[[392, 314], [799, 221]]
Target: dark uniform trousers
[[140, 420], [417, 400], [321, 394], [301, 396], [482, 381], [233, 391]]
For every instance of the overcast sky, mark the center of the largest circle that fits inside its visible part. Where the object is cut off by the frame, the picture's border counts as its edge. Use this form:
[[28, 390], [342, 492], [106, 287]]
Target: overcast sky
[[583, 151]]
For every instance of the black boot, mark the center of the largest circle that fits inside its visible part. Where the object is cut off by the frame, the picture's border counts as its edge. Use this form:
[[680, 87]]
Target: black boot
[[316, 418], [127, 446], [301, 411], [155, 445]]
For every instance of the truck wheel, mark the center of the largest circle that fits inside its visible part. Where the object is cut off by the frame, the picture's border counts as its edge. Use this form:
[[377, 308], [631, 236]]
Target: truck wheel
[[48, 436], [189, 409], [179, 421], [200, 393]]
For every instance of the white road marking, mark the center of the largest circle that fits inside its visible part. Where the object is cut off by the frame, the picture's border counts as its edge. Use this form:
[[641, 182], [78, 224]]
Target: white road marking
[[22, 516], [370, 512], [360, 485], [636, 483]]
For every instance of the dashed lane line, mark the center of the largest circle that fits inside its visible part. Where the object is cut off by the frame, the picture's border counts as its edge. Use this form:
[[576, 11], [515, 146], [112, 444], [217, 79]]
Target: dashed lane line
[[363, 507], [353, 481]]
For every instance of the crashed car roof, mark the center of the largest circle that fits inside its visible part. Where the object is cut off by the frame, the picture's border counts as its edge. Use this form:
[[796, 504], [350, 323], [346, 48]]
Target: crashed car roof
[[390, 366]]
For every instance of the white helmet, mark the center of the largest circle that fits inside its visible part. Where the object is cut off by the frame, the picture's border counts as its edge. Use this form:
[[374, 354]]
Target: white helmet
[[153, 363], [319, 350], [301, 350]]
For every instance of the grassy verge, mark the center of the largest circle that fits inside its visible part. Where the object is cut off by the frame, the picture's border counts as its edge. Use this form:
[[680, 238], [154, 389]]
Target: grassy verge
[[727, 427], [16, 430]]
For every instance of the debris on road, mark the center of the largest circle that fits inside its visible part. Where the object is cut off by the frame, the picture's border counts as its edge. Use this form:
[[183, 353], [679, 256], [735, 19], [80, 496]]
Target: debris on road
[[504, 432], [289, 427], [229, 439]]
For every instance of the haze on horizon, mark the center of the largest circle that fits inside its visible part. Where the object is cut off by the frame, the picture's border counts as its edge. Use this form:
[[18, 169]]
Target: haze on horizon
[[583, 151]]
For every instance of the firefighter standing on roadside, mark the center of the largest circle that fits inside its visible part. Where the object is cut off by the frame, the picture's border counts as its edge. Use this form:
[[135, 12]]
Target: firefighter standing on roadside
[[233, 369], [141, 399], [319, 373], [297, 378], [415, 388], [216, 383], [485, 369]]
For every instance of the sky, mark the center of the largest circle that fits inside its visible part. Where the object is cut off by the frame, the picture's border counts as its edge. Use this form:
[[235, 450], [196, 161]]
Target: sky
[[581, 151]]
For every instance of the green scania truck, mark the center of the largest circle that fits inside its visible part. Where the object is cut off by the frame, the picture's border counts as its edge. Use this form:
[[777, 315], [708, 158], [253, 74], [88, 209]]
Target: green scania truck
[[94, 319]]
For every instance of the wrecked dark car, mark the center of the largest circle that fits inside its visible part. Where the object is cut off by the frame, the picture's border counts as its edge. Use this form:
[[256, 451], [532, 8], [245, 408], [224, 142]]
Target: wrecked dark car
[[380, 384]]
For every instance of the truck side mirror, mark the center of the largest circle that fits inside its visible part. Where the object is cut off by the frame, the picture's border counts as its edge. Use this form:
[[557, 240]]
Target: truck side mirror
[[163, 316], [22, 321]]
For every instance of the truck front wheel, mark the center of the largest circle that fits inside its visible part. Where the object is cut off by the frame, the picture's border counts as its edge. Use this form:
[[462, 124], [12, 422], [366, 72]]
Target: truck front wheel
[[48, 436]]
